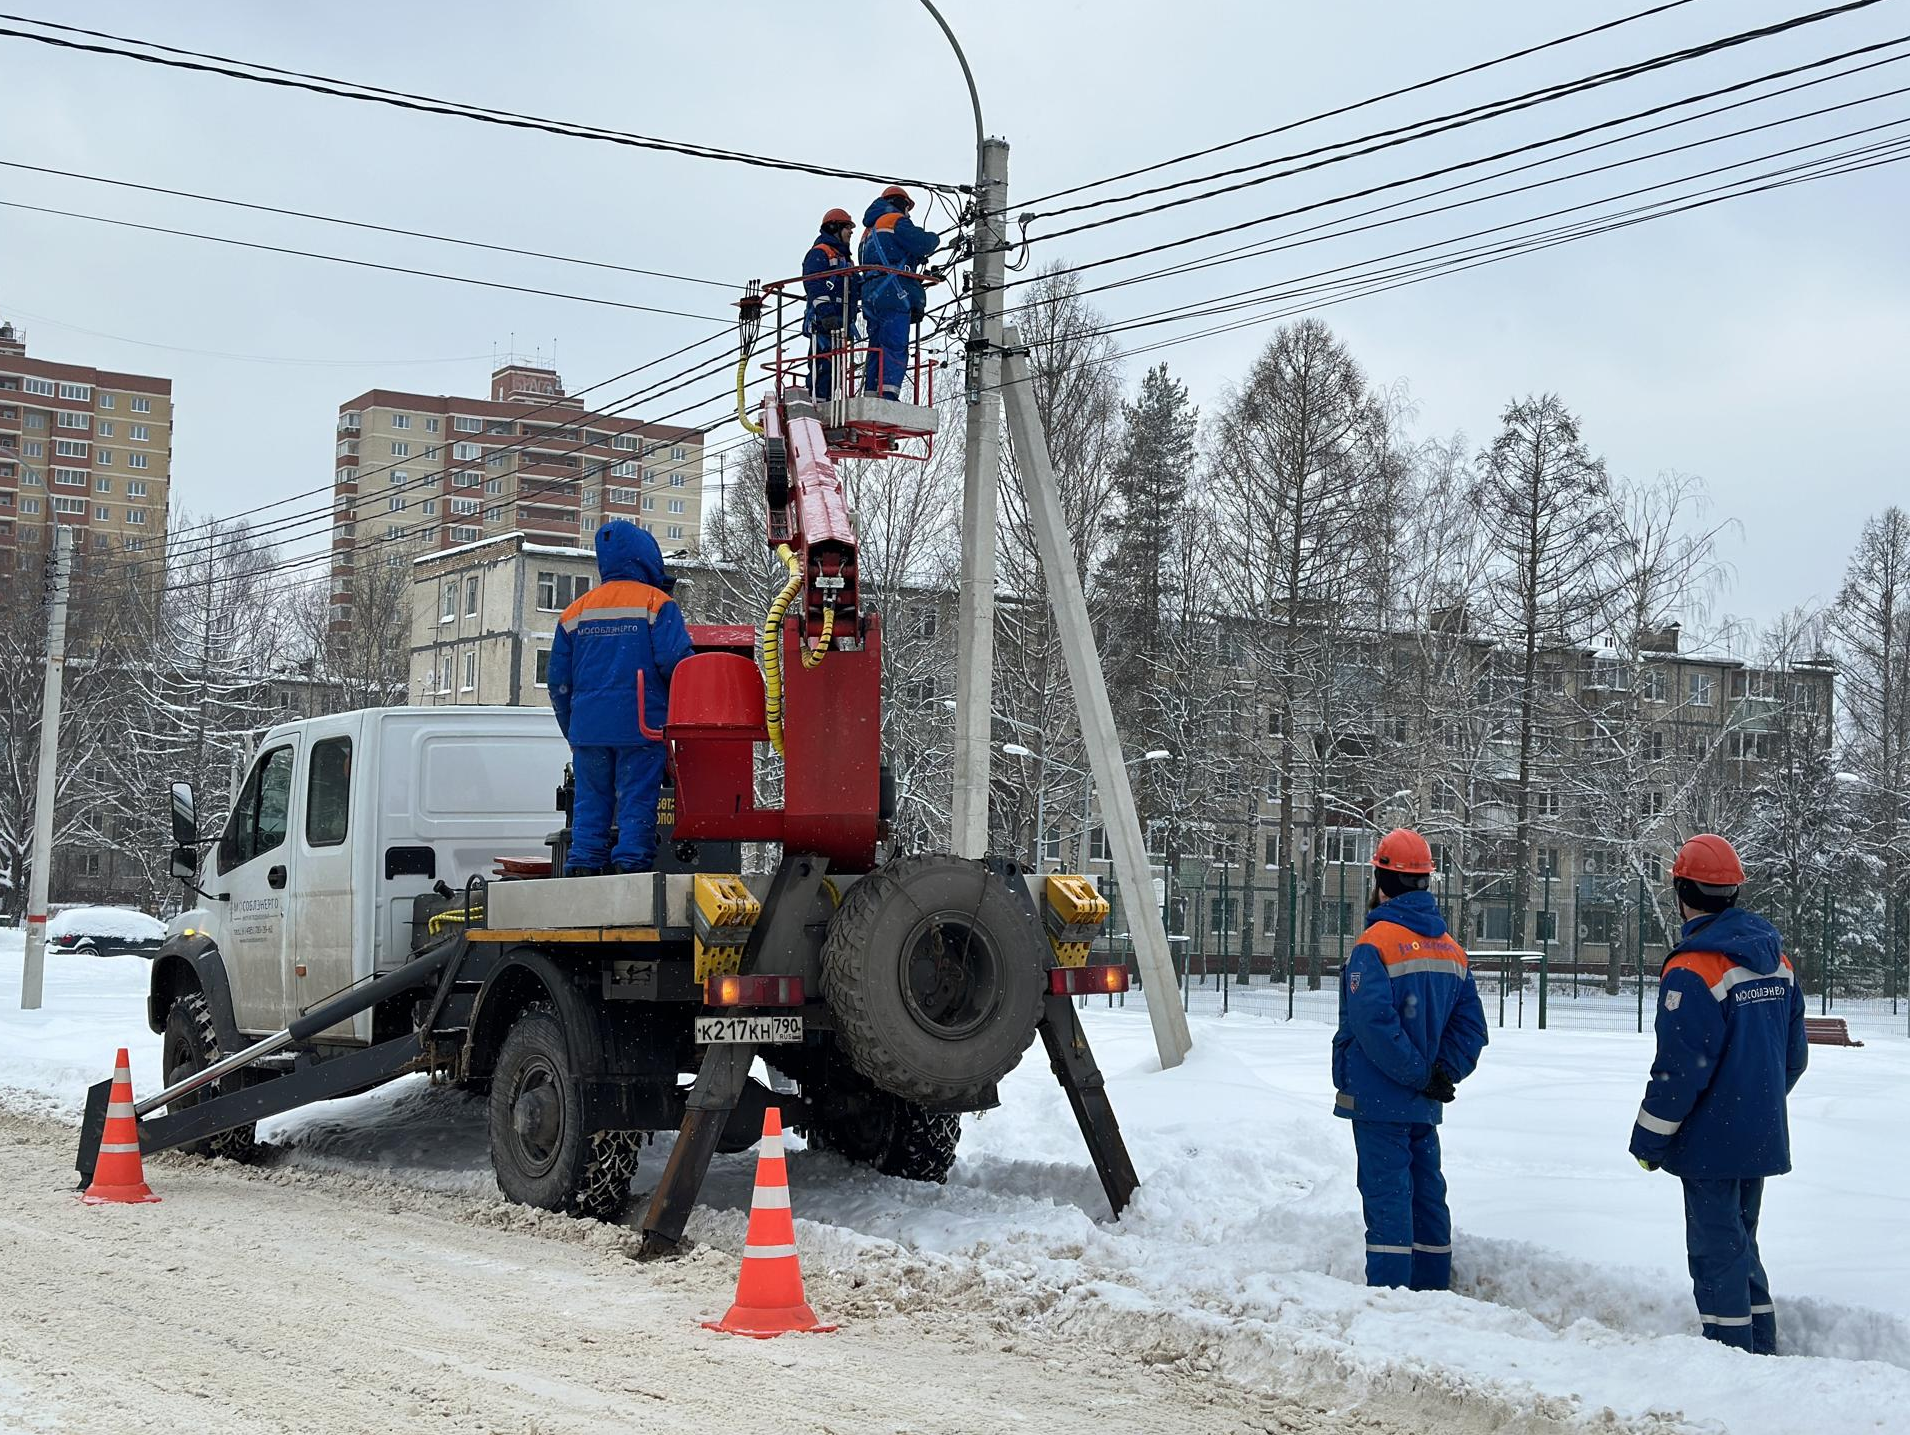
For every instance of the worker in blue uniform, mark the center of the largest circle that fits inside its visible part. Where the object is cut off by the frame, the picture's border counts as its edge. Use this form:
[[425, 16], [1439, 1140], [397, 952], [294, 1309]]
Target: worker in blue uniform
[[628, 624], [1731, 1046], [828, 317], [1411, 1029], [892, 302]]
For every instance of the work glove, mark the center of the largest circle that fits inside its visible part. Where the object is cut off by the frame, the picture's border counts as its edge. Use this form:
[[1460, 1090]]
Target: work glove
[[828, 323], [1439, 1086], [1647, 1165]]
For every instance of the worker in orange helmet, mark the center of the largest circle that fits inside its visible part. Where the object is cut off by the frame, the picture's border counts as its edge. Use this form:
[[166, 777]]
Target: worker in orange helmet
[[1411, 1029], [1731, 1046], [828, 317], [893, 299]]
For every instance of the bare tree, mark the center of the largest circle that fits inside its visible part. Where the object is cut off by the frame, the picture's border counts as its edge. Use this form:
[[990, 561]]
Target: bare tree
[[1546, 506]]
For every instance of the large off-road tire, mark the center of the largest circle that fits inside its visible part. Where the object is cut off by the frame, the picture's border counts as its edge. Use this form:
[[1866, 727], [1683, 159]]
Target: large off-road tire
[[539, 1149], [191, 1043], [873, 1128], [933, 971]]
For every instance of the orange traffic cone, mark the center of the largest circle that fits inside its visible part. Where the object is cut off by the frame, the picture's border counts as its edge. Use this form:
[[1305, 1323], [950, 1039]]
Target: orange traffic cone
[[118, 1176], [769, 1298]]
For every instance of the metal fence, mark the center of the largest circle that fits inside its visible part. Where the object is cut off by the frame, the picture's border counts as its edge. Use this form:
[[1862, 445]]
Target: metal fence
[[1518, 990]]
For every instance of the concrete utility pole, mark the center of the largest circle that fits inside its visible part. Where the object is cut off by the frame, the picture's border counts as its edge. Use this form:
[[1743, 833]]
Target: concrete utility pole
[[33, 973], [1098, 733], [975, 619]]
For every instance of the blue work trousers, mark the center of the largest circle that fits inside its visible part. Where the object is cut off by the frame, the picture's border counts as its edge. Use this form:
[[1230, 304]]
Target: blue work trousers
[[1403, 1194], [620, 785], [822, 369], [1727, 1275], [888, 362]]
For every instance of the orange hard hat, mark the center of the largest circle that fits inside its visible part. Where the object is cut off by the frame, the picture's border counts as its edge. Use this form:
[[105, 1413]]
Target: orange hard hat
[[836, 216], [1710, 861], [1403, 850], [895, 191]]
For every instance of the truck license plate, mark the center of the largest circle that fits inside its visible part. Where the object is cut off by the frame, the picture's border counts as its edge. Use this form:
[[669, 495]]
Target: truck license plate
[[756, 1030]]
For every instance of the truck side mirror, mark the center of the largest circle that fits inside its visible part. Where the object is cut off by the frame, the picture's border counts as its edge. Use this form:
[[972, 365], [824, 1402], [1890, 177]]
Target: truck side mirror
[[185, 822], [185, 863]]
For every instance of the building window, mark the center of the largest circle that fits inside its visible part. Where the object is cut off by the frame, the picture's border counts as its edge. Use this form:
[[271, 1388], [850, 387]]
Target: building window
[[1548, 862], [464, 507], [136, 489], [494, 514], [470, 597], [83, 392], [467, 425], [397, 478], [396, 503], [142, 406], [1098, 844], [70, 477], [401, 421], [106, 402], [448, 607], [103, 457], [542, 679], [1657, 685], [465, 451], [30, 505], [1548, 927], [493, 486], [40, 386], [1269, 917], [1703, 688], [400, 449], [76, 421], [649, 505], [1272, 851], [69, 448], [1597, 926], [1652, 804], [470, 671], [1546, 803], [430, 425], [677, 505], [675, 531], [136, 517], [139, 433], [444, 675], [136, 460], [103, 514], [464, 535], [624, 440], [69, 505], [557, 591], [679, 480], [429, 505], [1443, 798], [677, 452]]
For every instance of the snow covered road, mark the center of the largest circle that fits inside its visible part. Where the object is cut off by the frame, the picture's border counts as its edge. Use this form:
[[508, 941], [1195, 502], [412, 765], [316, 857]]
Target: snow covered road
[[1234, 1277]]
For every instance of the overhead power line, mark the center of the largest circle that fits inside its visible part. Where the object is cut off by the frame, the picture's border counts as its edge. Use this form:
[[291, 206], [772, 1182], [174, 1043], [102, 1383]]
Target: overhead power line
[[1361, 104], [262, 74], [366, 225], [356, 263], [1453, 168], [1441, 124]]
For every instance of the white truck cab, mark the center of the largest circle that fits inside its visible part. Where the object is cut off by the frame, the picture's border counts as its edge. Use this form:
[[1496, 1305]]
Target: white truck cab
[[343, 821]]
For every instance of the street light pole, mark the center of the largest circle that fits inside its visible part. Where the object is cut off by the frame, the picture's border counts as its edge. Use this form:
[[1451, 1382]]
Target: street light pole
[[975, 601]]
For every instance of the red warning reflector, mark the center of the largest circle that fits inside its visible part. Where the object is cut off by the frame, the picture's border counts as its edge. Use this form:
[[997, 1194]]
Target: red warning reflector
[[1086, 981], [754, 990]]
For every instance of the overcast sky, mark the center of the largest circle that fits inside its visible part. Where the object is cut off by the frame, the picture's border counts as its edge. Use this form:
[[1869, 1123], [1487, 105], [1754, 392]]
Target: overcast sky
[[1760, 344]]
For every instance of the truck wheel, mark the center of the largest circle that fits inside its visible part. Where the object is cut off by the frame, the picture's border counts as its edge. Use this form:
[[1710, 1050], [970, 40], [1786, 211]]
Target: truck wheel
[[933, 972], [896, 1137], [191, 1043], [539, 1149]]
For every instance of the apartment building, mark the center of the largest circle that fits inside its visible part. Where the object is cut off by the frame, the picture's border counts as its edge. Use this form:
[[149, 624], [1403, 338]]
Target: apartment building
[[431, 474], [484, 614], [87, 448]]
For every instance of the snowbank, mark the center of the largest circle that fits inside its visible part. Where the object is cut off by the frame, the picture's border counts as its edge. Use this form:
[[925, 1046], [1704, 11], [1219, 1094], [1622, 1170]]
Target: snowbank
[[1242, 1254]]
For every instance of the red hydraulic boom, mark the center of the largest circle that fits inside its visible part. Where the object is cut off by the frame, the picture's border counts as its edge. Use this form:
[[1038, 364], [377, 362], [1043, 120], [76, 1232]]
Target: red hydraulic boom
[[817, 698]]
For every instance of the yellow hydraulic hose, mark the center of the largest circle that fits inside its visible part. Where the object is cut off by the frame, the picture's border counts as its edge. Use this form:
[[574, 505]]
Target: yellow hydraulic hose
[[773, 647], [742, 403]]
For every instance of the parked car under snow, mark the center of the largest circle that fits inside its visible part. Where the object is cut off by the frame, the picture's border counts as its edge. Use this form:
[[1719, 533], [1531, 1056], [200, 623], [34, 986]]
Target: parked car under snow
[[104, 932]]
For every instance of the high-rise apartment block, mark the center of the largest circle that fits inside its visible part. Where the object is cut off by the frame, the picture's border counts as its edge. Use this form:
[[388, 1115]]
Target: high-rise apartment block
[[83, 447], [417, 473]]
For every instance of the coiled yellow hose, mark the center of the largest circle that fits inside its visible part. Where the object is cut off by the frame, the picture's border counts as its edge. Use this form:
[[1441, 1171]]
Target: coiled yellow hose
[[773, 645]]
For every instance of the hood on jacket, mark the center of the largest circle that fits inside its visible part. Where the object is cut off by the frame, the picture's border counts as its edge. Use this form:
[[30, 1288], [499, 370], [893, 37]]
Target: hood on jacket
[[629, 553], [829, 241], [876, 210], [1744, 937], [1417, 912]]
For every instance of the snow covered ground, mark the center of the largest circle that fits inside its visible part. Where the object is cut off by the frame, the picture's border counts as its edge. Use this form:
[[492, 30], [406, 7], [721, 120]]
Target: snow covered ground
[[1242, 1255]]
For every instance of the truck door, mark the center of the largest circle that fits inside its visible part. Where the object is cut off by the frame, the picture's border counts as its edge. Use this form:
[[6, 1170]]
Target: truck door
[[321, 926], [255, 865]]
